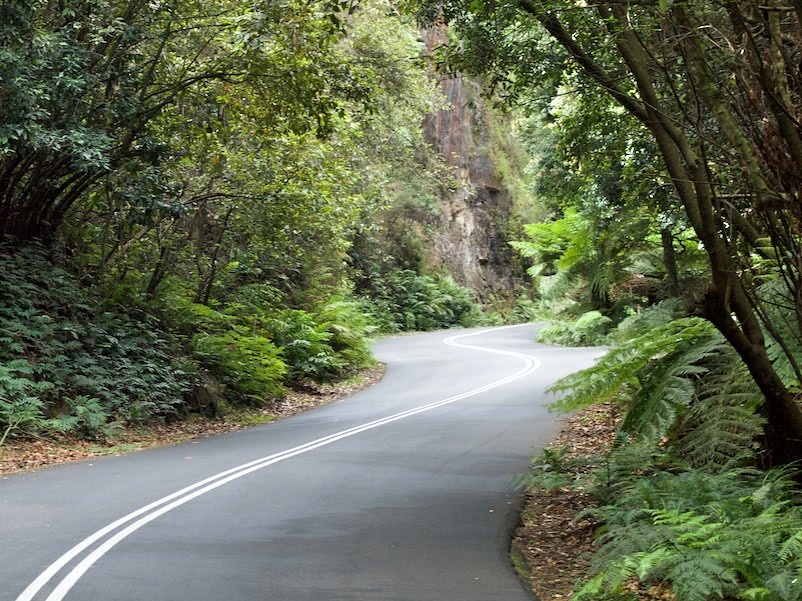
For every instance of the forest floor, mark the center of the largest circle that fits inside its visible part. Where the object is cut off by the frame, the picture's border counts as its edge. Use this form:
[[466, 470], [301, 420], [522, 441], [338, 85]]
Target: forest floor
[[550, 547], [29, 454]]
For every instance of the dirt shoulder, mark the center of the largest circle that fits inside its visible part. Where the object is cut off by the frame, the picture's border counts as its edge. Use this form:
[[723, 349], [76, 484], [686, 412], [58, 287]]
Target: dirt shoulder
[[550, 547], [25, 455]]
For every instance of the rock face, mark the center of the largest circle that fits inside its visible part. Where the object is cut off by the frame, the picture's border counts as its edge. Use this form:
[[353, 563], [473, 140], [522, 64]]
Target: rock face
[[470, 235]]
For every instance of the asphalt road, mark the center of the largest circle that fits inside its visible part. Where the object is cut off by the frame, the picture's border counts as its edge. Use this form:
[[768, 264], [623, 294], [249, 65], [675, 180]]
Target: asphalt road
[[402, 492]]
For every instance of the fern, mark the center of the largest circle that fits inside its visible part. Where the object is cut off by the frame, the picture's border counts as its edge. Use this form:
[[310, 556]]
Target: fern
[[250, 365], [666, 387], [625, 366], [654, 316], [722, 426], [729, 535], [589, 329], [61, 345]]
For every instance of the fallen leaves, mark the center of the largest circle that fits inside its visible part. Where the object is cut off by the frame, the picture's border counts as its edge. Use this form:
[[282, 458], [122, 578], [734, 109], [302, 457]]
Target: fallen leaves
[[552, 545], [553, 541]]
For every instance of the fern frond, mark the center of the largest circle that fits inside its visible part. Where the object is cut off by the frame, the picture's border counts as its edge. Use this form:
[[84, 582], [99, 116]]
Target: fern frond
[[655, 367], [722, 425]]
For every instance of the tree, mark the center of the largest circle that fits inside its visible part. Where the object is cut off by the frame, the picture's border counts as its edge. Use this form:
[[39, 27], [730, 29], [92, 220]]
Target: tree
[[94, 89], [717, 87]]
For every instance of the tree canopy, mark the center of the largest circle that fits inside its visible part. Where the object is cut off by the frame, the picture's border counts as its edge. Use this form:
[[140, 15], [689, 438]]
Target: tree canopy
[[714, 88], [206, 182]]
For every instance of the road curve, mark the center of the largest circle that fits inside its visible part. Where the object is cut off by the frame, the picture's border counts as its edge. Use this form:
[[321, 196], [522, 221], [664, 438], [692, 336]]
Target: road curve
[[401, 492]]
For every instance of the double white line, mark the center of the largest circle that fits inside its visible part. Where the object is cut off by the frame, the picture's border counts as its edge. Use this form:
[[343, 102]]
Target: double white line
[[132, 522]]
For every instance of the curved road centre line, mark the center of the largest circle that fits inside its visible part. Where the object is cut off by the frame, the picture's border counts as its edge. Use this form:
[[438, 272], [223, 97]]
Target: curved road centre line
[[158, 508]]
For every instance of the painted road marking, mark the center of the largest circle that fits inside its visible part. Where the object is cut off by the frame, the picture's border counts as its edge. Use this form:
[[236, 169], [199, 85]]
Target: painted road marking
[[150, 512]]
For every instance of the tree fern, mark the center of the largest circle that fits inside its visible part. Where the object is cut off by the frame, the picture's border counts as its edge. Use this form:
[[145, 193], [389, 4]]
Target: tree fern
[[651, 317]]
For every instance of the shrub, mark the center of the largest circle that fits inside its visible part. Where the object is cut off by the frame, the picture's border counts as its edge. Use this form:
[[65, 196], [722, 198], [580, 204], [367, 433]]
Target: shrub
[[305, 346], [58, 349], [21, 409], [423, 302], [251, 365], [730, 535], [349, 326], [590, 329], [653, 316], [681, 503]]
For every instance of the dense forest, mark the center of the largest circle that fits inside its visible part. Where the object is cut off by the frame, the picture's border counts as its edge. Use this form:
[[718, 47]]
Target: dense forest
[[203, 204], [206, 203]]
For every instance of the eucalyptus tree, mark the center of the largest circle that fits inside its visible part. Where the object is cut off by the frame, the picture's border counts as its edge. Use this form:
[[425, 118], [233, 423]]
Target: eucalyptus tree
[[718, 89]]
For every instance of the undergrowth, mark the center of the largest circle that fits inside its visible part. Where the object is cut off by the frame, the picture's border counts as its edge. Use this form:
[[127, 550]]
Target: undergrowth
[[403, 300], [69, 363], [680, 499]]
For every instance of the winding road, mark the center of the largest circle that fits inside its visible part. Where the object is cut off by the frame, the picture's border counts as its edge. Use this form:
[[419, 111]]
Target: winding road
[[401, 492]]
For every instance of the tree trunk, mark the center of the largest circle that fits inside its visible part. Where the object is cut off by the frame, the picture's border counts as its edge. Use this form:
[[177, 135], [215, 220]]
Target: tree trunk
[[783, 416], [670, 262]]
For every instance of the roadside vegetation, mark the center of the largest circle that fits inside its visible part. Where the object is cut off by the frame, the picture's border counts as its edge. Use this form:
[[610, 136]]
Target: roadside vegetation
[[198, 207], [205, 205], [665, 145]]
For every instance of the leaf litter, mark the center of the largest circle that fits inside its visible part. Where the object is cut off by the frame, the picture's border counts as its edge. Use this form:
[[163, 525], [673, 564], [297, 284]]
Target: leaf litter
[[552, 545]]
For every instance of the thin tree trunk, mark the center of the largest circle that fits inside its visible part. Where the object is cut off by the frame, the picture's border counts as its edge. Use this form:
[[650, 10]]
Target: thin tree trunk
[[670, 262]]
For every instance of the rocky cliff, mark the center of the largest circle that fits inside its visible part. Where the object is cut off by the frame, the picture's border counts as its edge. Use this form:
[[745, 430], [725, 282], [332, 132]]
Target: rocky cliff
[[470, 235]]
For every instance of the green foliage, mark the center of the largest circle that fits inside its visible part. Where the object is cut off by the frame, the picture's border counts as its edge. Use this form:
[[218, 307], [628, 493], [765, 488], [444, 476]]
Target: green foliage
[[410, 301], [679, 379], [250, 364], [305, 346], [105, 92], [349, 327], [323, 346], [548, 471], [728, 535], [64, 358], [87, 418], [499, 312], [723, 425], [629, 364], [678, 504], [654, 316], [21, 410], [784, 340], [591, 328]]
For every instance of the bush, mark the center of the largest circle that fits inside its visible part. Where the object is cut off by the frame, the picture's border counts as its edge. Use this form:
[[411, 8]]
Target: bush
[[349, 326], [653, 316], [58, 349], [681, 502], [251, 365], [590, 329], [305, 346], [422, 302], [731, 535], [21, 409]]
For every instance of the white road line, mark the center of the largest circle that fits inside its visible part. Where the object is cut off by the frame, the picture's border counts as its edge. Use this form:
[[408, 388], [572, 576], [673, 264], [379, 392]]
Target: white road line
[[158, 508]]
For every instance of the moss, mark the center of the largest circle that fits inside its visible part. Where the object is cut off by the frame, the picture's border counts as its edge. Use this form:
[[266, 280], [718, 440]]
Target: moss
[[118, 449], [519, 563], [246, 416]]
